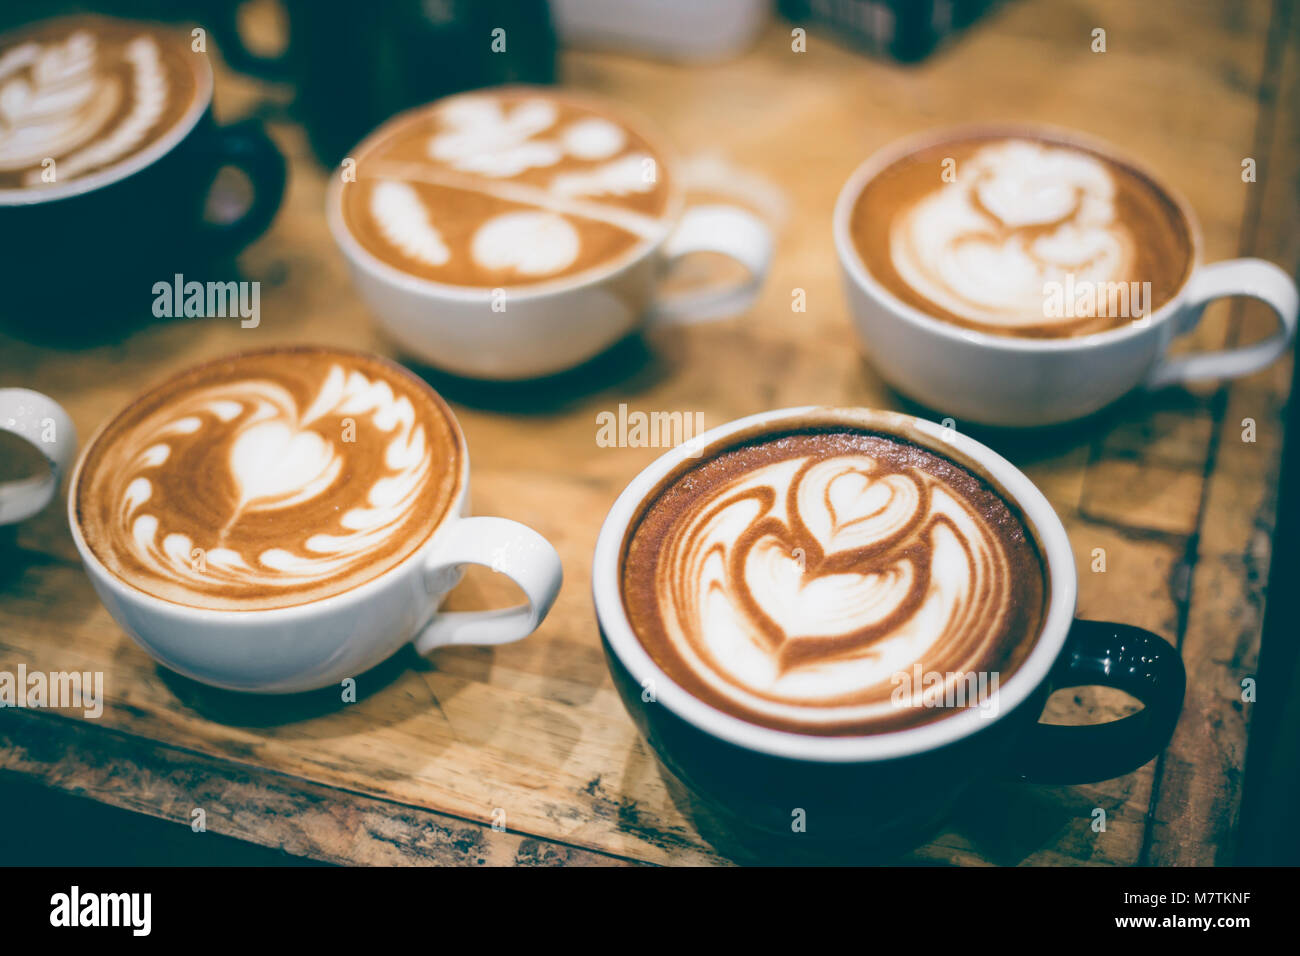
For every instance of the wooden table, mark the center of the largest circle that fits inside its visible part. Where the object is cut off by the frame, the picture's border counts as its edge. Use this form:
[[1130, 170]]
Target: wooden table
[[414, 771]]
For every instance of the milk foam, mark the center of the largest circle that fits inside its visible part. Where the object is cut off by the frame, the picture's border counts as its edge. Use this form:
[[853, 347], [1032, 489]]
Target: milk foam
[[1020, 215], [274, 460], [533, 243], [803, 582], [404, 221], [554, 185], [64, 100]]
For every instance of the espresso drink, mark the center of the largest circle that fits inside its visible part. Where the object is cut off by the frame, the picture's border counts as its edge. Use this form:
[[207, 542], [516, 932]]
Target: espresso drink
[[511, 187], [269, 479], [1022, 236], [832, 581], [83, 95]]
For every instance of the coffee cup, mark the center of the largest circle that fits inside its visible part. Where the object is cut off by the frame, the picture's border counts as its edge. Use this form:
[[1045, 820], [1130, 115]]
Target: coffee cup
[[515, 232], [279, 520], [1024, 276], [108, 163], [765, 608], [41, 422]]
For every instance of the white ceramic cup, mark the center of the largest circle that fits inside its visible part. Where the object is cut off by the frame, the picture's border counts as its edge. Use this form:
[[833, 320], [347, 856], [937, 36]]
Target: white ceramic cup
[[547, 327], [1002, 380], [43, 424], [313, 645]]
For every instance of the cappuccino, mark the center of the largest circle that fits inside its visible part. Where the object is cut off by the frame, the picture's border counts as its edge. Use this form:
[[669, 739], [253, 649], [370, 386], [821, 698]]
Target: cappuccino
[[269, 479], [833, 581], [85, 95], [504, 188], [1022, 235]]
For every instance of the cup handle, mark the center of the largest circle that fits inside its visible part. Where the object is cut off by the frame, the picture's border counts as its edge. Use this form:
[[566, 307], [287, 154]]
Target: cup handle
[[508, 548], [728, 230], [1109, 655], [1254, 278], [247, 147], [225, 19], [43, 424]]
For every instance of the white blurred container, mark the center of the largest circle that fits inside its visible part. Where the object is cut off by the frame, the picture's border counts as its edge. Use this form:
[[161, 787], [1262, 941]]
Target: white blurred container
[[696, 30]]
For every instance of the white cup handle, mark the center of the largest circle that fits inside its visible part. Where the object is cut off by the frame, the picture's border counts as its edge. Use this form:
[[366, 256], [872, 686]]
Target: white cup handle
[[44, 424], [509, 548], [731, 231], [1254, 278]]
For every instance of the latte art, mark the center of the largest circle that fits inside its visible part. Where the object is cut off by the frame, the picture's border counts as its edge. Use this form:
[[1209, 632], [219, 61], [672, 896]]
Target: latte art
[[270, 479], [1020, 215], [994, 233], [791, 581], [505, 188], [82, 95]]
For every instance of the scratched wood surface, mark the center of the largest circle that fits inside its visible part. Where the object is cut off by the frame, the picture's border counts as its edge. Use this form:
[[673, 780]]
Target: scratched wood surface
[[532, 735]]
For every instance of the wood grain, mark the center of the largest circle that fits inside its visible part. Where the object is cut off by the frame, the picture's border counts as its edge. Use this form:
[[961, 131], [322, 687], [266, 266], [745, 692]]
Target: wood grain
[[414, 771]]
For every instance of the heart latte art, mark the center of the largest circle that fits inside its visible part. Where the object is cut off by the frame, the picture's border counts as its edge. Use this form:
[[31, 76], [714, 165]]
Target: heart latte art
[[1018, 236], [269, 479], [791, 581], [81, 95], [505, 188]]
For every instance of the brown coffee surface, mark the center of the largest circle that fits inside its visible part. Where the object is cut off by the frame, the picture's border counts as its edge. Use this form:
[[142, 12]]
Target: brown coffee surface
[[1022, 236], [88, 93], [506, 187], [810, 580], [269, 479]]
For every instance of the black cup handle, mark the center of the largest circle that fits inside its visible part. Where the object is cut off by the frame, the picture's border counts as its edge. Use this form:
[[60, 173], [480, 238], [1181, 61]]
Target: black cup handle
[[247, 146], [1110, 655], [224, 16]]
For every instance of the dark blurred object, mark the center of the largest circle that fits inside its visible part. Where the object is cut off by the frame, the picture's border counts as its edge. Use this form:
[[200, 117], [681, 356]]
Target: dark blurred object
[[906, 30], [16, 12], [355, 68], [355, 65], [1269, 832], [82, 256]]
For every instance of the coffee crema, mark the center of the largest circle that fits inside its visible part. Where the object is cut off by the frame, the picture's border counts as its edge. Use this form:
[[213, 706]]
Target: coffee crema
[[802, 580], [1022, 236], [505, 188], [269, 479], [81, 95]]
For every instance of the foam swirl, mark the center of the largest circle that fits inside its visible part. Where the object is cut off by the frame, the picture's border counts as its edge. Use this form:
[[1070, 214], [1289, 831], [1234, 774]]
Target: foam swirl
[[87, 97], [1020, 215], [793, 592], [270, 486]]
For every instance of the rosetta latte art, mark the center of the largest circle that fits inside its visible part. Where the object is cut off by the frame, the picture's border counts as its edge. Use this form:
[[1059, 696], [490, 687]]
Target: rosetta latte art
[[267, 488], [796, 592], [489, 189], [1023, 236], [1019, 216], [79, 99]]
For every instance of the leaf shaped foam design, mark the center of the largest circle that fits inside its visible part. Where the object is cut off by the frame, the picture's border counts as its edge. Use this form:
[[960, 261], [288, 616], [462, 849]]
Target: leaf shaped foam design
[[404, 221]]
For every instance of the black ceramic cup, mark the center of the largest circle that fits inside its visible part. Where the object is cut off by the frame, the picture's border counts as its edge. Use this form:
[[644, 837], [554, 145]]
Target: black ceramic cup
[[765, 795], [88, 251]]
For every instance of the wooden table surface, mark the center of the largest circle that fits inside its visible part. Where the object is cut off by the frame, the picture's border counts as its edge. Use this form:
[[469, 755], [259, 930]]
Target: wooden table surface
[[532, 735]]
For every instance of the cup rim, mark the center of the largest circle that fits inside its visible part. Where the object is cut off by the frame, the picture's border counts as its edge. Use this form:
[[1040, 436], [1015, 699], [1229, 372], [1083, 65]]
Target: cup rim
[[362, 258], [132, 164], [127, 592], [853, 266], [1038, 513]]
